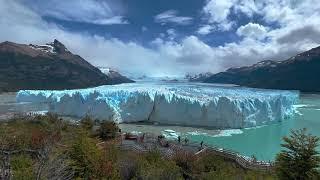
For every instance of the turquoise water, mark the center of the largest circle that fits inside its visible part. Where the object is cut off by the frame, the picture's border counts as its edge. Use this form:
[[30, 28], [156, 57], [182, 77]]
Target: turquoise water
[[264, 142]]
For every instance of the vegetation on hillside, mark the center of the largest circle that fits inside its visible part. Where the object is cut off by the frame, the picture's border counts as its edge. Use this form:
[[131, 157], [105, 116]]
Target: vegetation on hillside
[[43, 147]]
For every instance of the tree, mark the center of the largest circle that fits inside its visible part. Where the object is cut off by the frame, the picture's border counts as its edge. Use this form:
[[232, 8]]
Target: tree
[[299, 159]]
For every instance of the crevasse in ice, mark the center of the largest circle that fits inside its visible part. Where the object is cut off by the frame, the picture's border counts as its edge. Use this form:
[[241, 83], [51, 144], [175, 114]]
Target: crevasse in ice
[[171, 103]]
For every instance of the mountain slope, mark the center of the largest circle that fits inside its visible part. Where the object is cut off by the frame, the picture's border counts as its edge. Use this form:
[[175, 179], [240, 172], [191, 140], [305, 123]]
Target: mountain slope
[[300, 72], [116, 76], [49, 66], [198, 77]]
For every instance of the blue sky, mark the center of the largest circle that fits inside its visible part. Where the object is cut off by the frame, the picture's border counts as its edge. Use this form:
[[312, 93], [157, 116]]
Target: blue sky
[[167, 37]]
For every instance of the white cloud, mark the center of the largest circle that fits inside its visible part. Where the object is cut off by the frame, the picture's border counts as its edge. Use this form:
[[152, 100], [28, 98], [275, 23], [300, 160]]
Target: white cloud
[[252, 30], [190, 55], [218, 12], [247, 7], [101, 12], [298, 26], [206, 29], [109, 21], [170, 16], [171, 34], [283, 12]]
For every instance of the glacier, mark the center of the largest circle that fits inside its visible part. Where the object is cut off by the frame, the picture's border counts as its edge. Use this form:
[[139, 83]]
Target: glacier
[[187, 104]]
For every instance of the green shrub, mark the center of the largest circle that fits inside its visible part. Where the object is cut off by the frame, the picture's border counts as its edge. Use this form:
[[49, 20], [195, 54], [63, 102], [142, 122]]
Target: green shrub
[[88, 160]]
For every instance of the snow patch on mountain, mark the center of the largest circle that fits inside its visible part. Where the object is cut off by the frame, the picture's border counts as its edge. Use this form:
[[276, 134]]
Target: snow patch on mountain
[[105, 70], [53, 47], [44, 48]]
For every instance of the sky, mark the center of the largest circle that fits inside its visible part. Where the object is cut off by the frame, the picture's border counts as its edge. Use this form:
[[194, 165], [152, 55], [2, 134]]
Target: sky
[[167, 37]]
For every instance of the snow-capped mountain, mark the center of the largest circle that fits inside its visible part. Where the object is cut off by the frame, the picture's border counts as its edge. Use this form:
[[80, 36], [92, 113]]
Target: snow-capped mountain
[[198, 77], [49, 66], [145, 78], [300, 72]]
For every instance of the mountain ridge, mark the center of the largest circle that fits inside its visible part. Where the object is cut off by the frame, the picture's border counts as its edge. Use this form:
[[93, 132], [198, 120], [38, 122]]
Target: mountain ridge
[[300, 72]]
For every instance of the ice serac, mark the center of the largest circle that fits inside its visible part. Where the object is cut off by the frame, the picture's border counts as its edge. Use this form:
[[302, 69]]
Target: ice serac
[[174, 104]]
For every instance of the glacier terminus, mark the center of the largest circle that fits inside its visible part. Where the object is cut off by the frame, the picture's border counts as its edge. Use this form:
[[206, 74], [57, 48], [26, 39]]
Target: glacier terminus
[[188, 104]]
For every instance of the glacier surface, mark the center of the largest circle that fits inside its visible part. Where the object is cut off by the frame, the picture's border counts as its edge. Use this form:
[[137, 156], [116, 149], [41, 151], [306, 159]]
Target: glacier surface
[[171, 103]]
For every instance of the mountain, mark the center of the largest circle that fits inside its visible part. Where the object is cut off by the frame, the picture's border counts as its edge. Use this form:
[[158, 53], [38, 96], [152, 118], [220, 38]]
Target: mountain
[[198, 77], [50, 66], [300, 72], [146, 78]]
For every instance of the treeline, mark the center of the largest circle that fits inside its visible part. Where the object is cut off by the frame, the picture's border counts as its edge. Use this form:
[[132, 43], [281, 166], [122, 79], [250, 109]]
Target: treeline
[[48, 147]]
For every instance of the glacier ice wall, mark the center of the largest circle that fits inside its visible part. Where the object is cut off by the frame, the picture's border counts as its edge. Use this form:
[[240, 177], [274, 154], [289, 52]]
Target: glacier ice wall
[[173, 104]]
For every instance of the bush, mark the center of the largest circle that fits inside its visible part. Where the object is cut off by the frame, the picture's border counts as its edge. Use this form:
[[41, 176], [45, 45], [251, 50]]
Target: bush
[[299, 159], [88, 160], [211, 166], [128, 164], [108, 165], [152, 166], [186, 161], [108, 130], [87, 123], [84, 155], [22, 167], [38, 138]]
